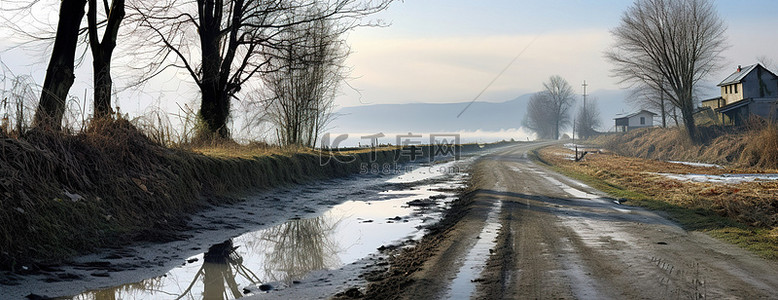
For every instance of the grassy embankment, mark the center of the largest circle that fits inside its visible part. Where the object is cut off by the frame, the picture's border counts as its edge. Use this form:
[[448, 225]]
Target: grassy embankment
[[110, 185], [755, 146], [745, 214]]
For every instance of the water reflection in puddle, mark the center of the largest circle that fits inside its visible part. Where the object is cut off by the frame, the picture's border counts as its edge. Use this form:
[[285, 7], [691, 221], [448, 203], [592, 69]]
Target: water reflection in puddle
[[280, 255], [464, 284]]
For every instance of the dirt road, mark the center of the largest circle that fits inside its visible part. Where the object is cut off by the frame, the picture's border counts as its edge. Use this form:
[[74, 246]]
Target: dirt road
[[557, 238]]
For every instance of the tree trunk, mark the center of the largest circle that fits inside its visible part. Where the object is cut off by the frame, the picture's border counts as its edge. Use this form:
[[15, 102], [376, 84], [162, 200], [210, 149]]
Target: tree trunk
[[103, 85], [675, 116], [664, 110], [688, 121], [102, 52], [214, 110], [215, 105], [59, 75]]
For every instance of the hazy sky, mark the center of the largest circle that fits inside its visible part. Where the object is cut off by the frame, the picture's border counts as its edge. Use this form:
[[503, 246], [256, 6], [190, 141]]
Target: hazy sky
[[449, 50]]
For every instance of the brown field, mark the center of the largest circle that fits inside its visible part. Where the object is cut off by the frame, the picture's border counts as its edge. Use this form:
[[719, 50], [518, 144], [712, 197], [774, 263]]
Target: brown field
[[744, 213]]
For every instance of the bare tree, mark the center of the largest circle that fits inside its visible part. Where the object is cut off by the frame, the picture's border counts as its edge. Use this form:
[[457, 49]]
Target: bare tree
[[18, 98], [33, 33], [548, 111], [220, 44], [671, 45], [102, 52], [306, 71], [654, 99], [588, 120], [59, 75], [536, 120], [767, 62]]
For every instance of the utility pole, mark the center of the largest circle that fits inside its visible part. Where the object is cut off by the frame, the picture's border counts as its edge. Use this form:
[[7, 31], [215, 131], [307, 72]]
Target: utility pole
[[585, 114], [584, 95]]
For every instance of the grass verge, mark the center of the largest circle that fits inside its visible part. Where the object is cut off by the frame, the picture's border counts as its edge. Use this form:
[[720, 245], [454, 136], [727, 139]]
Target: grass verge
[[691, 211], [63, 195], [754, 145]]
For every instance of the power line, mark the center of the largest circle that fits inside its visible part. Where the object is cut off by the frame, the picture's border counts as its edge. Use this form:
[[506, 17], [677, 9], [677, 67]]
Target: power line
[[498, 76]]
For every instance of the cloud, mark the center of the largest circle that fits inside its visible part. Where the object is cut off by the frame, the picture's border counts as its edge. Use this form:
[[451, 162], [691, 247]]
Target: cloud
[[457, 68]]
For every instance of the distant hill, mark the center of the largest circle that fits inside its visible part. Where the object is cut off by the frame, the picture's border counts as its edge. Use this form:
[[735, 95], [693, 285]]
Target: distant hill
[[442, 117]]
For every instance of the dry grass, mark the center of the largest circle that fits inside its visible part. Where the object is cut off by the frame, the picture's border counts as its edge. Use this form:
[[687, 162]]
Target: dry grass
[[744, 213], [110, 184], [752, 146], [752, 203], [63, 194], [255, 149], [762, 148], [68, 194]]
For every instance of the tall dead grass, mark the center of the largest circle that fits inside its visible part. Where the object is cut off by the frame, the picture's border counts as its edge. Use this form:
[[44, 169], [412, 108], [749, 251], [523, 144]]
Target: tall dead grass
[[762, 148], [752, 146]]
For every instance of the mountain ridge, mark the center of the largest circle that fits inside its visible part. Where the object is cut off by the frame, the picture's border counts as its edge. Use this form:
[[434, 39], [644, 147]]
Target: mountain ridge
[[442, 117]]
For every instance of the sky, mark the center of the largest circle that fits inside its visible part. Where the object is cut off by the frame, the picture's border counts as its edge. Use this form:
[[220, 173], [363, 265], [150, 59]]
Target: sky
[[444, 51], [450, 50]]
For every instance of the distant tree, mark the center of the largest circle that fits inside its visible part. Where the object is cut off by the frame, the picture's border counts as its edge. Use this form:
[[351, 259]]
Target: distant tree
[[305, 71], [536, 120], [767, 62], [670, 45], [588, 120], [653, 99], [548, 111]]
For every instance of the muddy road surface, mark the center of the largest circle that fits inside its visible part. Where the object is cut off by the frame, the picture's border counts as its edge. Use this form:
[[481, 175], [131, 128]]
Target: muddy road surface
[[530, 233]]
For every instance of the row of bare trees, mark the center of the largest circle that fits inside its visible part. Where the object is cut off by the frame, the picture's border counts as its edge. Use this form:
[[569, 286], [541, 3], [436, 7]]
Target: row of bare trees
[[549, 111], [290, 51]]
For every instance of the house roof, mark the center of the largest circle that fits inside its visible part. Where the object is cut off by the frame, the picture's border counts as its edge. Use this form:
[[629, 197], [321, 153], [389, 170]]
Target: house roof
[[634, 114], [738, 75]]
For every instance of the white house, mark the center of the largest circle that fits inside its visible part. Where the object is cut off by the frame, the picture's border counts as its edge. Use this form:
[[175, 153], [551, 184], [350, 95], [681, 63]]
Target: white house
[[635, 120], [750, 90]]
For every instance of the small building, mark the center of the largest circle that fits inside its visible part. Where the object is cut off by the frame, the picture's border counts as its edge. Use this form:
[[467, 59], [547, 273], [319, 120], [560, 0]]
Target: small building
[[750, 90], [636, 120]]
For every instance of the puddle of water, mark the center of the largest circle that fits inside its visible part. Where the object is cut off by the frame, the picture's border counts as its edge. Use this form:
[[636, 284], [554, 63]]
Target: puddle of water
[[429, 172], [463, 286], [287, 252], [570, 190], [722, 179], [696, 164]]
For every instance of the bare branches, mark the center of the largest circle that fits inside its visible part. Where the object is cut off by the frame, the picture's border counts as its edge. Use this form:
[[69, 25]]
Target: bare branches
[[588, 120], [225, 44], [669, 46], [548, 111]]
